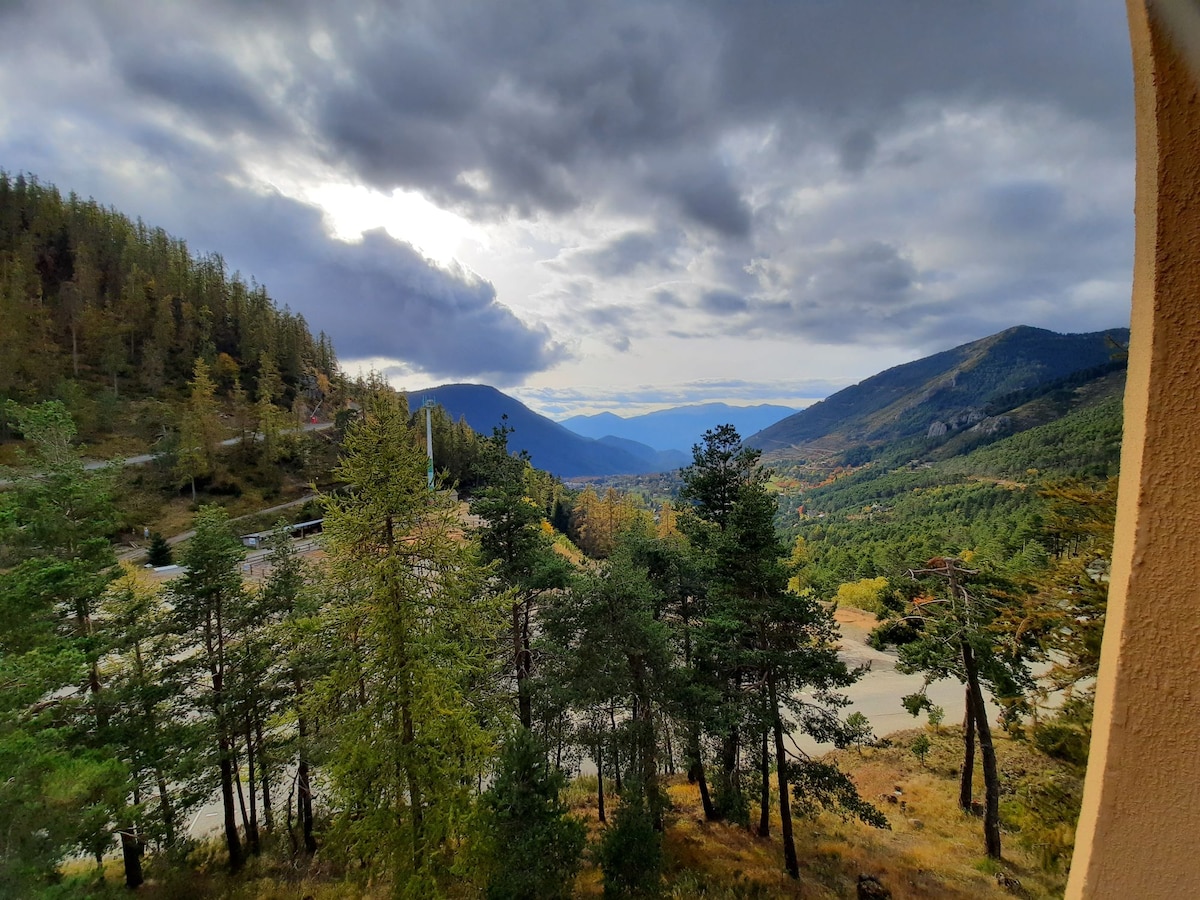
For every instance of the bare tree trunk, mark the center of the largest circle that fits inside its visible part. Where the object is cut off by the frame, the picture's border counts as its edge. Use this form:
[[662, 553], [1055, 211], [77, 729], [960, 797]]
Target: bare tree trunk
[[600, 780], [164, 802], [251, 839], [407, 738], [131, 855], [670, 748], [558, 745], [790, 862], [291, 833], [646, 744], [612, 716], [232, 842], [251, 760], [991, 775], [696, 773], [965, 789], [264, 777], [225, 747], [764, 817], [304, 800], [524, 701]]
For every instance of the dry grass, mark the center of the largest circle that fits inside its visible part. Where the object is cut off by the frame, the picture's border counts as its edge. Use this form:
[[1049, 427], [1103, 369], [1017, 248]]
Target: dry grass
[[932, 852]]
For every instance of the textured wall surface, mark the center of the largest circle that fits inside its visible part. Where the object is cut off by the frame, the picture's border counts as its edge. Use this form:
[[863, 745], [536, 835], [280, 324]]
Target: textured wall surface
[[1139, 831]]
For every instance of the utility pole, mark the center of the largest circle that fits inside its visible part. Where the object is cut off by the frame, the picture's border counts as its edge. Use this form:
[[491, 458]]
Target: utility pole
[[429, 404]]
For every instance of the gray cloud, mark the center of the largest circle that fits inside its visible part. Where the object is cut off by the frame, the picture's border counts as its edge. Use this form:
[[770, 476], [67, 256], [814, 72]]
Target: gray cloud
[[722, 303], [200, 81], [630, 252], [705, 192], [902, 174], [857, 149], [393, 303], [564, 402]]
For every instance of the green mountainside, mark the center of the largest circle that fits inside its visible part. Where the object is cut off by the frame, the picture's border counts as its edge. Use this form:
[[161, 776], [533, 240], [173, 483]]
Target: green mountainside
[[883, 519], [976, 386]]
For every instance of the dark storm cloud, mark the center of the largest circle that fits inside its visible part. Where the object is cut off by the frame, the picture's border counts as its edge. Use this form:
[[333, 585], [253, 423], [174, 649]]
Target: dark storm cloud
[[380, 298], [857, 149], [397, 305], [671, 135], [545, 99], [844, 294], [868, 60], [530, 94], [1023, 206], [203, 83], [705, 192]]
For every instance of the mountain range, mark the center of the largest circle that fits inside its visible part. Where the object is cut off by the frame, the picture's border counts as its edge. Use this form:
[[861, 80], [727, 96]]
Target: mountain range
[[1000, 384], [678, 428], [549, 445], [938, 406]]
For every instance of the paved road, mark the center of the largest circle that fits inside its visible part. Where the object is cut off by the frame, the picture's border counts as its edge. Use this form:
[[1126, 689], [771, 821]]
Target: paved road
[[135, 552]]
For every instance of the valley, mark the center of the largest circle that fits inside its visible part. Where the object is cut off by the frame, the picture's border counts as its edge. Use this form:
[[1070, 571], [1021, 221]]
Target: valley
[[686, 602]]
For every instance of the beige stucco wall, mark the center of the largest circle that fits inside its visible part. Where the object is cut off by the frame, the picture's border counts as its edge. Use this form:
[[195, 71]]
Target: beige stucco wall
[[1139, 830]]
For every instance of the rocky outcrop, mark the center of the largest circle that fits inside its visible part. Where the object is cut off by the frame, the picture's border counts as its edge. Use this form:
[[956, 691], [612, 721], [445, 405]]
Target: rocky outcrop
[[964, 419], [993, 425]]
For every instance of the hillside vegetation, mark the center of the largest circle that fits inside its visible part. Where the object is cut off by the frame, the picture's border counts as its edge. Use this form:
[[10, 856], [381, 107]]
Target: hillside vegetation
[[100, 309], [974, 386]]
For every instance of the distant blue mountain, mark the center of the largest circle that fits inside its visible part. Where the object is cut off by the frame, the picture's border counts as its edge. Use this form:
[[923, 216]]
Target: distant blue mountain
[[551, 446], [678, 428], [656, 460]]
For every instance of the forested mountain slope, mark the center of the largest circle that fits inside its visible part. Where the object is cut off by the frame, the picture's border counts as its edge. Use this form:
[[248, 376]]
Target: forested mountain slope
[[93, 302], [973, 386], [882, 520]]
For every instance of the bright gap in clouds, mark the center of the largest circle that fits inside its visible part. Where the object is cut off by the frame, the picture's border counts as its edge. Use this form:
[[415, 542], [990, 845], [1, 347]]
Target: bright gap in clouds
[[405, 215]]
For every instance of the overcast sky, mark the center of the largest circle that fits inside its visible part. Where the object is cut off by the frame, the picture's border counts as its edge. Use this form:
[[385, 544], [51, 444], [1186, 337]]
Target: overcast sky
[[609, 205]]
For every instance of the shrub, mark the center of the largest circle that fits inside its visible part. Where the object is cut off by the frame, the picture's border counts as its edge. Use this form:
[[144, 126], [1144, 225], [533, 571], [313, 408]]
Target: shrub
[[630, 853], [527, 846]]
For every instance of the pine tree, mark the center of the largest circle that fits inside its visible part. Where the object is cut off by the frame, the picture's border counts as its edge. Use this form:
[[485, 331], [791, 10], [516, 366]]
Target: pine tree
[[206, 601], [613, 652], [199, 430], [159, 553], [512, 538], [954, 611], [407, 708], [775, 650], [62, 783], [148, 724]]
